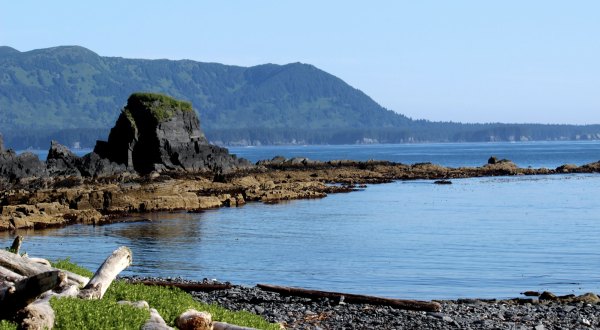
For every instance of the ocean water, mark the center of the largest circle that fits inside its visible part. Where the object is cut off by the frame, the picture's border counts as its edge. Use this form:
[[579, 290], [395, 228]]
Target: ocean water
[[481, 237]]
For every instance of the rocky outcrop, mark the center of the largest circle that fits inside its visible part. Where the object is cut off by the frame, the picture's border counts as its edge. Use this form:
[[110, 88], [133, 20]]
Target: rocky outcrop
[[14, 167], [155, 132], [62, 162]]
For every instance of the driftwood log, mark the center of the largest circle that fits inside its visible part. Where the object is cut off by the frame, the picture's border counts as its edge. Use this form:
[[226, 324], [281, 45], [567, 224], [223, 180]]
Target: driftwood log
[[108, 271], [188, 287], [28, 284], [26, 267], [417, 305], [7, 275], [25, 291]]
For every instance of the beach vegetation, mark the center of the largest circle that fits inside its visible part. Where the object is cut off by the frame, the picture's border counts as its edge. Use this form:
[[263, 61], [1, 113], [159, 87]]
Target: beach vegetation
[[106, 313]]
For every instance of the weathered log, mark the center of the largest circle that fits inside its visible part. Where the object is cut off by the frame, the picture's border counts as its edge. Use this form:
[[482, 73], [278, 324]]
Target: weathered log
[[7, 275], [227, 326], [156, 322], [16, 245], [26, 267], [417, 305], [187, 287], [40, 261], [27, 290], [38, 315], [120, 259]]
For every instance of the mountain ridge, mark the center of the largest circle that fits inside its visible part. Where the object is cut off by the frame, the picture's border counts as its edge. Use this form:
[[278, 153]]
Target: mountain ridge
[[67, 89]]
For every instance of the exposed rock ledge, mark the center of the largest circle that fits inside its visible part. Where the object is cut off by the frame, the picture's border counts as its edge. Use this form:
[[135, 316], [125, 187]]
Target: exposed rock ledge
[[69, 200], [157, 159]]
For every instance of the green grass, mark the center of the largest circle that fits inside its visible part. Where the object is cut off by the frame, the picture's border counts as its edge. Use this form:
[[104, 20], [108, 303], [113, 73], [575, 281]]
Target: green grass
[[162, 107], [7, 325], [107, 314], [74, 313]]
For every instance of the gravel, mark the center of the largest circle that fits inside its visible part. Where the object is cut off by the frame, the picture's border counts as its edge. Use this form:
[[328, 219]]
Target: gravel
[[305, 313]]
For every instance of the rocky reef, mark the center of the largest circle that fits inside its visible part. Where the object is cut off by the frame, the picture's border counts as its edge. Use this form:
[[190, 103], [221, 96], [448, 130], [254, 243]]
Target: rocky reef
[[155, 133]]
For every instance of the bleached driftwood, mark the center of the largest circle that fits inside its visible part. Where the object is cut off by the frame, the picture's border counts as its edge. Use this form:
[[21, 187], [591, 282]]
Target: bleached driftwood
[[25, 267], [156, 322], [39, 314], [7, 275], [25, 291], [40, 261], [227, 326], [108, 271]]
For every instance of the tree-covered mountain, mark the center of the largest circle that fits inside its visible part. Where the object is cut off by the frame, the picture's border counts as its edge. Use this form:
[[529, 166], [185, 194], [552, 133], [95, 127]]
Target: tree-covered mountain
[[72, 94]]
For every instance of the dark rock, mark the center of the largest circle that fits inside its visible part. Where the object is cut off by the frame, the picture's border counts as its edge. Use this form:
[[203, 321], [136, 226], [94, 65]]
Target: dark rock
[[531, 293], [442, 182], [548, 296], [61, 161], [14, 167], [492, 160], [92, 165], [155, 132], [567, 168]]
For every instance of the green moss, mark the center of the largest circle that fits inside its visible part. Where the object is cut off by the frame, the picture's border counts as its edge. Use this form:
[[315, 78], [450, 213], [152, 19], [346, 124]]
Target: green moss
[[107, 314], [129, 117], [162, 107], [7, 325]]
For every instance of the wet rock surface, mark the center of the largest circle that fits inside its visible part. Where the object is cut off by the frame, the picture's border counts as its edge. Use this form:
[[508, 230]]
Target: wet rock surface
[[305, 313]]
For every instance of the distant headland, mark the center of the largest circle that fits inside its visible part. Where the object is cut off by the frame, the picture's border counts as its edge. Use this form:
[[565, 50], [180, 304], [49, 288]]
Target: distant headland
[[72, 95]]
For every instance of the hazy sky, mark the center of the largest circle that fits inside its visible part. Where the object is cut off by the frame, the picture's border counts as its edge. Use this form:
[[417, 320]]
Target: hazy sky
[[469, 61]]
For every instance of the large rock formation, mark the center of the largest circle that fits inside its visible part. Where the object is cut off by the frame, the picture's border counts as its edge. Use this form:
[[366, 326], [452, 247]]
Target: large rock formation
[[13, 166], [155, 132]]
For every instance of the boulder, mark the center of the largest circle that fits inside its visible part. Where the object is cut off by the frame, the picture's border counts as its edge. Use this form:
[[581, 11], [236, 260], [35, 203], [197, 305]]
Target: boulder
[[155, 132], [14, 167], [61, 161], [92, 165]]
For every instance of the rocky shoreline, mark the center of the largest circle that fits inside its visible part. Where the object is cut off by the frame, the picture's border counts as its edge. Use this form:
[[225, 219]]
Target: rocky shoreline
[[543, 312], [63, 200], [156, 158]]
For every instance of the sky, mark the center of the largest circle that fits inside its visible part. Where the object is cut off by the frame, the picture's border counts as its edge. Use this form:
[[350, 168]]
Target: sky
[[464, 61]]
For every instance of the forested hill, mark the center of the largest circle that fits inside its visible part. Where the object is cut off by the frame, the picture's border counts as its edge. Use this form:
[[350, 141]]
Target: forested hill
[[72, 94]]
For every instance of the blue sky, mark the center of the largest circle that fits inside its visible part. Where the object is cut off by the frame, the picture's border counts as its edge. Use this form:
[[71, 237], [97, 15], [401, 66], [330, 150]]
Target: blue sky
[[468, 61]]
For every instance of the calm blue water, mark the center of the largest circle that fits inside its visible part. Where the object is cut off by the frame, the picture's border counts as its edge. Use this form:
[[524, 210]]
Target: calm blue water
[[524, 154], [484, 237]]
